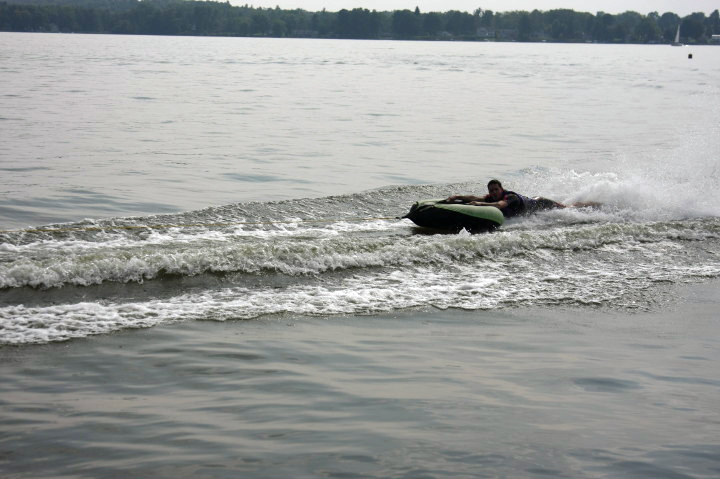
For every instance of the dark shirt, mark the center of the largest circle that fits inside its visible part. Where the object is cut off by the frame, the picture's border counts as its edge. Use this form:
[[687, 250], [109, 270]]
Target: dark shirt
[[515, 205]]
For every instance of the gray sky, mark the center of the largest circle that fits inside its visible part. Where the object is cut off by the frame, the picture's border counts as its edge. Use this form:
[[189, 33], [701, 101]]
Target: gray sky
[[681, 7]]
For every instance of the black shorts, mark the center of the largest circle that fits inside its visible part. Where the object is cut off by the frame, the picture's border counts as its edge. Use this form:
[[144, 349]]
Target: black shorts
[[545, 203]]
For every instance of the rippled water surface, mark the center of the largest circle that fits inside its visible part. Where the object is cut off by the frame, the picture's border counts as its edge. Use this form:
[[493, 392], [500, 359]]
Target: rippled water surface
[[105, 126], [238, 200], [523, 393]]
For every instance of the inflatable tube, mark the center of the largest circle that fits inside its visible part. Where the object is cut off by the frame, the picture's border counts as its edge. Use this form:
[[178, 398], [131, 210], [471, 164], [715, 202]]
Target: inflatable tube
[[455, 217]]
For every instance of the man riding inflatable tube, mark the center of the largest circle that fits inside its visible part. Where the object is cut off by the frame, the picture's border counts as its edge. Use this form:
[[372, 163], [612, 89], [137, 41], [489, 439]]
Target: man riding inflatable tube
[[511, 203]]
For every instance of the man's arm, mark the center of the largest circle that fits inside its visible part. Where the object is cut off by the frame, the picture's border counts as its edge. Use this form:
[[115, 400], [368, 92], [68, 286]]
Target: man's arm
[[497, 204], [510, 200], [464, 199]]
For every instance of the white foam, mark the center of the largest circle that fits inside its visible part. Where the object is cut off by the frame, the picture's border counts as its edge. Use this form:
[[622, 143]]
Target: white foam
[[661, 185], [609, 274], [318, 251]]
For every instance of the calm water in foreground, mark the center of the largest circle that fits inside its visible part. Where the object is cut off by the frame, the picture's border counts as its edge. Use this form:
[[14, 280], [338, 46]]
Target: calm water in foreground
[[234, 199]]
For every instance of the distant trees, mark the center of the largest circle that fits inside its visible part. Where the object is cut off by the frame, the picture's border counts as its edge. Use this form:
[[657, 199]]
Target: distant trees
[[406, 24], [647, 31], [432, 24], [693, 26], [358, 23], [190, 17], [460, 24]]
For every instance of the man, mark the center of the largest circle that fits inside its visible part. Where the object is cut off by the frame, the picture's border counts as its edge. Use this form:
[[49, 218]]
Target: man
[[510, 203]]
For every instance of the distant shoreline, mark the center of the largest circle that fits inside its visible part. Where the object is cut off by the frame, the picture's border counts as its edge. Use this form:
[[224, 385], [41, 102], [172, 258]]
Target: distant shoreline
[[200, 18]]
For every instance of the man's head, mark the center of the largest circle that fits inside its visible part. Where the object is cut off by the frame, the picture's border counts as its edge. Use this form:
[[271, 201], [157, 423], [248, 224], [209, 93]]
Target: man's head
[[495, 189]]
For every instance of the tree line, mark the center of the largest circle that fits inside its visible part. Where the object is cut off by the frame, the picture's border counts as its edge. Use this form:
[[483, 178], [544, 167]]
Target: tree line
[[189, 17]]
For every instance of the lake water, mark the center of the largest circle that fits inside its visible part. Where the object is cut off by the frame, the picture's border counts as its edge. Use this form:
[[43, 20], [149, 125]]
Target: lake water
[[201, 273]]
